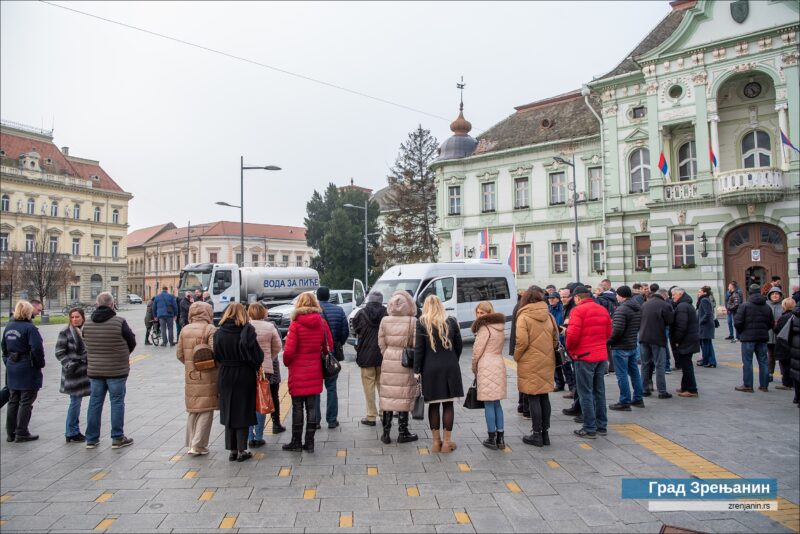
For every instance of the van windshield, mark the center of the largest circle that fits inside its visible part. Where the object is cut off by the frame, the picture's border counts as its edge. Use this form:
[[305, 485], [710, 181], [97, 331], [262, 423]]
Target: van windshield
[[192, 280], [387, 287]]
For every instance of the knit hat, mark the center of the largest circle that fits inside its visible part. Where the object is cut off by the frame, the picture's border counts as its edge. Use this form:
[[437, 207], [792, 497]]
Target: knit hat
[[583, 291], [624, 291], [323, 294], [755, 288], [375, 296], [553, 296]]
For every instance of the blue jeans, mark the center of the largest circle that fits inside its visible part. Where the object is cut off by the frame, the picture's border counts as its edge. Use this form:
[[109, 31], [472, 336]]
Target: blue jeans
[[731, 333], [666, 354], [653, 358], [73, 416], [707, 350], [494, 416], [115, 387], [592, 392], [626, 367], [166, 328], [760, 349], [257, 432], [332, 403]]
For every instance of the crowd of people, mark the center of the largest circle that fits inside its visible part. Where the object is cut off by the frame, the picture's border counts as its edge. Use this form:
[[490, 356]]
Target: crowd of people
[[564, 339]]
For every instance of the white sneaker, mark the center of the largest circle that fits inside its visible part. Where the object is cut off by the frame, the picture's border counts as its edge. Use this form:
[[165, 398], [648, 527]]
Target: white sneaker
[[192, 452]]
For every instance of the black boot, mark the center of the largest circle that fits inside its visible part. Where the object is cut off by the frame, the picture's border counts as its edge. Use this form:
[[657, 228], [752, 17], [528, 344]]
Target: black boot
[[387, 427], [308, 446], [295, 445], [490, 442], [277, 427], [545, 437], [534, 439], [404, 436], [501, 441]]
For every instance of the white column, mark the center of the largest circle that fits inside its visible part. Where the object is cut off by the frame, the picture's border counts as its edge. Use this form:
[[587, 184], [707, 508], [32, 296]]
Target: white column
[[783, 123], [714, 123]]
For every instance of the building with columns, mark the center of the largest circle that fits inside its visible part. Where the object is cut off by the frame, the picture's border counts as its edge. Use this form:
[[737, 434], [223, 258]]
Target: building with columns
[[711, 88], [158, 253]]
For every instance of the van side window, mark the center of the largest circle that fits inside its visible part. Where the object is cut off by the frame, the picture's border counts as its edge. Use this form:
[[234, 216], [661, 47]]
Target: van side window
[[222, 281], [347, 298], [442, 288], [478, 289]]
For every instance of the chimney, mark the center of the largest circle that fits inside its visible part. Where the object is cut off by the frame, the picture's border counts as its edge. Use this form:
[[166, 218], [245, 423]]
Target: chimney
[[65, 150]]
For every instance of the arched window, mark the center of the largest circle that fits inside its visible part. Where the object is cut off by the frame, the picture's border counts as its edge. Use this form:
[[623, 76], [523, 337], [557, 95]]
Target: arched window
[[5, 203], [756, 149], [115, 217], [54, 209], [687, 162], [31, 206], [639, 164], [97, 215], [76, 213], [96, 285]]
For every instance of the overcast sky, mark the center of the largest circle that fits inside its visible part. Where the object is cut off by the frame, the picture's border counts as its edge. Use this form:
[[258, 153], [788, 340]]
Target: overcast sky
[[168, 122]]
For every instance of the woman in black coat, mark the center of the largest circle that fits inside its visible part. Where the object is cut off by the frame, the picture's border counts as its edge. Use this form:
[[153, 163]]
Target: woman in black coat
[[782, 350], [240, 357], [794, 353], [436, 353], [705, 327], [71, 352]]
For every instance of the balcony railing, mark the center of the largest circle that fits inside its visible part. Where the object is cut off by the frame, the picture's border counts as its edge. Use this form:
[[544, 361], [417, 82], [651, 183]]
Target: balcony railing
[[743, 186], [47, 177], [680, 191]]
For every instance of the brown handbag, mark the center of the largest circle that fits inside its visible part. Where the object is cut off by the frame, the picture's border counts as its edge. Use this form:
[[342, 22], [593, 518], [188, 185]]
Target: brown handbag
[[203, 355], [264, 403]]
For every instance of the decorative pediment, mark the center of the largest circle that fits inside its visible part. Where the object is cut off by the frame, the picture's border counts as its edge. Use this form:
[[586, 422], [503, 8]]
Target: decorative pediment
[[521, 171], [455, 180], [30, 229], [6, 227], [553, 166], [488, 176], [54, 231], [592, 159], [76, 233], [637, 135]]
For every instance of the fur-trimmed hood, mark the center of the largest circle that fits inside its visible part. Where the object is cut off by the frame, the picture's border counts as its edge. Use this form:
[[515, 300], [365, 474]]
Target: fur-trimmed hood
[[486, 320], [401, 304], [305, 311]]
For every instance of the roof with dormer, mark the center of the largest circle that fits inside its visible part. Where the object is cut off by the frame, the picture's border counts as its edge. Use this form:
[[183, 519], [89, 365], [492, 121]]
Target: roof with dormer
[[169, 232]]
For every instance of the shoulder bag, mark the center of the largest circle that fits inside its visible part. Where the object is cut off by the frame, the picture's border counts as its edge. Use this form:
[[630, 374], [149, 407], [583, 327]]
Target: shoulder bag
[[471, 401], [338, 350], [264, 404], [418, 412], [330, 365], [408, 352], [202, 354]]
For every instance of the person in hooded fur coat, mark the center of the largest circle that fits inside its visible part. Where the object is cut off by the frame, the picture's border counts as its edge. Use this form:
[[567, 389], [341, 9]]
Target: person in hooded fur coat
[[368, 354], [398, 388], [489, 368]]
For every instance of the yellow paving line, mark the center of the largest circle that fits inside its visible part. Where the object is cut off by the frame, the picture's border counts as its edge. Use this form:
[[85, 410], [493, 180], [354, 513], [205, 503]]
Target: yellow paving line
[[207, 495], [464, 467], [508, 448], [788, 513], [98, 476], [372, 470], [286, 404], [104, 524], [341, 453], [412, 491], [176, 458], [345, 521], [3, 522], [139, 357], [423, 451], [104, 497], [585, 446], [513, 487], [310, 494], [4, 498], [191, 473], [462, 518], [553, 464], [285, 472], [259, 456], [228, 522]]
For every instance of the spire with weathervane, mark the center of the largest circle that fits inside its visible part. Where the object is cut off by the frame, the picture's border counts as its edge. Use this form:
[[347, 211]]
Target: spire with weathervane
[[461, 126]]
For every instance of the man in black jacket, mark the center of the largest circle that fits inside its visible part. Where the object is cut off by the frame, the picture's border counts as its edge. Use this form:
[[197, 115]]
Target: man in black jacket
[[369, 358], [685, 340], [340, 330], [753, 322], [657, 315], [622, 344]]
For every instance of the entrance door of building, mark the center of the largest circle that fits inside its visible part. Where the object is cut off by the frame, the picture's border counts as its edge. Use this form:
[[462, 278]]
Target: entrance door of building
[[754, 253]]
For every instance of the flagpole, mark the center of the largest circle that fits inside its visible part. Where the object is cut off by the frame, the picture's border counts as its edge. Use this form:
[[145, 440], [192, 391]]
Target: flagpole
[[514, 252]]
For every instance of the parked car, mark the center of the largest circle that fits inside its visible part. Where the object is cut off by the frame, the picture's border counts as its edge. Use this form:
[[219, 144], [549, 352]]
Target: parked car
[[281, 315], [133, 298]]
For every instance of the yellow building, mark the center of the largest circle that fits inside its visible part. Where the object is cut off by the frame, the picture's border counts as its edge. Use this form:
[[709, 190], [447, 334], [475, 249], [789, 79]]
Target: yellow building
[[69, 203]]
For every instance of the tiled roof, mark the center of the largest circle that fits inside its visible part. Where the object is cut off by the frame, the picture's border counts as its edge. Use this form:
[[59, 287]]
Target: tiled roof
[[227, 228], [141, 236], [15, 143], [557, 118]]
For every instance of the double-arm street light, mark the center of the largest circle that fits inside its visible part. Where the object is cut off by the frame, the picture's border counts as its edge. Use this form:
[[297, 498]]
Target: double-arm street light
[[577, 245], [242, 168], [366, 235]]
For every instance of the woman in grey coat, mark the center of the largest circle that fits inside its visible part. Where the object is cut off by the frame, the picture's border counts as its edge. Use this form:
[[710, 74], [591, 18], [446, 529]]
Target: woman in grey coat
[[71, 352], [705, 327]]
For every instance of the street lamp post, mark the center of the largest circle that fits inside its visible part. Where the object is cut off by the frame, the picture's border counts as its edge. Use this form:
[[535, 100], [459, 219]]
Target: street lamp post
[[571, 163], [242, 168], [366, 234]]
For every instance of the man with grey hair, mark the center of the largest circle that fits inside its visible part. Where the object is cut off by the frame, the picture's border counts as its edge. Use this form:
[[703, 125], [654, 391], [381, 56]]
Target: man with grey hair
[[684, 338], [109, 344], [657, 315]]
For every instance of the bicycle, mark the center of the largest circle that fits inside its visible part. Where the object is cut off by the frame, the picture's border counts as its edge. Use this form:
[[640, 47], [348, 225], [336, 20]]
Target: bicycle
[[155, 333]]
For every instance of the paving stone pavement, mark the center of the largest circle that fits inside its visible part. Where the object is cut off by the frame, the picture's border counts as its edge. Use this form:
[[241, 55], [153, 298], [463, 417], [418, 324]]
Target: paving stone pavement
[[571, 486]]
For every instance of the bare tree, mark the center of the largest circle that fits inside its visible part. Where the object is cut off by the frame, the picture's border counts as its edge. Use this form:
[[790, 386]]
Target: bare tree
[[45, 271], [10, 275]]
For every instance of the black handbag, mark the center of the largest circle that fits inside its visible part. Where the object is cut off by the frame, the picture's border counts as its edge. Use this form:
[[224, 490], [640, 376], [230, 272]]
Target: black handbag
[[330, 365], [471, 401], [408, 352], [418, 412], [716, 323], [338, 350]]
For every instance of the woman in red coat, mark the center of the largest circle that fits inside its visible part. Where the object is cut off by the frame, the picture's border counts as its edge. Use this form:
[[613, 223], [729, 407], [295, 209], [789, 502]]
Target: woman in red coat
[[302, 355]]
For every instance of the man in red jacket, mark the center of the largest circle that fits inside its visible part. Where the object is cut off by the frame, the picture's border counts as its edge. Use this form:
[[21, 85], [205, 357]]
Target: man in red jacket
[[589, 329]]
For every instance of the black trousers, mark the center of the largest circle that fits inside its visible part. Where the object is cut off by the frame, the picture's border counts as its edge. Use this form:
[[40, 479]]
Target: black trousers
[[306, 402], [273, 391], [20, 408], [688, 383], [236, 439], [539, 406]]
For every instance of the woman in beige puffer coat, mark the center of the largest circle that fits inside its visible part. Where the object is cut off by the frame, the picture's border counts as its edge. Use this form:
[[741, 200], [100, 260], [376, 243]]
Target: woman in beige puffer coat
[[398, 388], [202, 392], [490, 369]]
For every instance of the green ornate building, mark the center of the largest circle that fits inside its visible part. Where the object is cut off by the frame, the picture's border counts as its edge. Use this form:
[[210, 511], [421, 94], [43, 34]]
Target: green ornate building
[[714, 81]]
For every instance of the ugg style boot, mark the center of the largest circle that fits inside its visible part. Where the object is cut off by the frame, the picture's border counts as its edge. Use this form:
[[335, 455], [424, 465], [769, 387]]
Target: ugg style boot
[[501, 440], [404, 436], [448, 445], [491, 441], [436, 446], [386, 419]]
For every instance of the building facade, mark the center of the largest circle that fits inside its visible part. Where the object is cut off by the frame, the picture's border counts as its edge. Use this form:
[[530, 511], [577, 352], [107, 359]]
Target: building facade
[[711, 88], [160, 252], [69, 203]]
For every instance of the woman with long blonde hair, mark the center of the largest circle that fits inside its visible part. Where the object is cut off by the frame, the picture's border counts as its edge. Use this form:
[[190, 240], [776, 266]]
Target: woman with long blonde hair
[[436, 353]]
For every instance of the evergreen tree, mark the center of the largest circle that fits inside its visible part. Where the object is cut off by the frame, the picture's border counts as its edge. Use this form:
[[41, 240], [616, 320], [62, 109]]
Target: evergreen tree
[[337, 234], [410, 222]]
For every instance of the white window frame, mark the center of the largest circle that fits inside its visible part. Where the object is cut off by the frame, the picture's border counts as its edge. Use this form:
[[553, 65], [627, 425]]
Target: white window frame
[[687, 164], [594, 176], [76, 212], [454, 200], [96, 214], [5, 203], [758, 152], [598, 255], [76, 246], [54, 209], [3, 241], [52, 244], [96, 248], [31, 207], [644, 258], [115, 249], [115, 217], [488, 197], [559, 255], [643, 168], [558, 191], [683, 255], [522, 193], [30, 242], [524, 257]]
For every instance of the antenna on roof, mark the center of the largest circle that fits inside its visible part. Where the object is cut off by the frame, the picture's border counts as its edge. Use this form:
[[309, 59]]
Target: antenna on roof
[[460, 87]]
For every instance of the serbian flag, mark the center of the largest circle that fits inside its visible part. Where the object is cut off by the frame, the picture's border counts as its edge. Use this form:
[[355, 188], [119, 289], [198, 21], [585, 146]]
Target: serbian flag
[[712, 157], [484, 252], [785, 141], [662, 164], [512, 256]]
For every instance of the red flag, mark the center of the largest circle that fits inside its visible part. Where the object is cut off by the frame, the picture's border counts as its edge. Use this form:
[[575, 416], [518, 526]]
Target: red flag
[[512, 255]]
